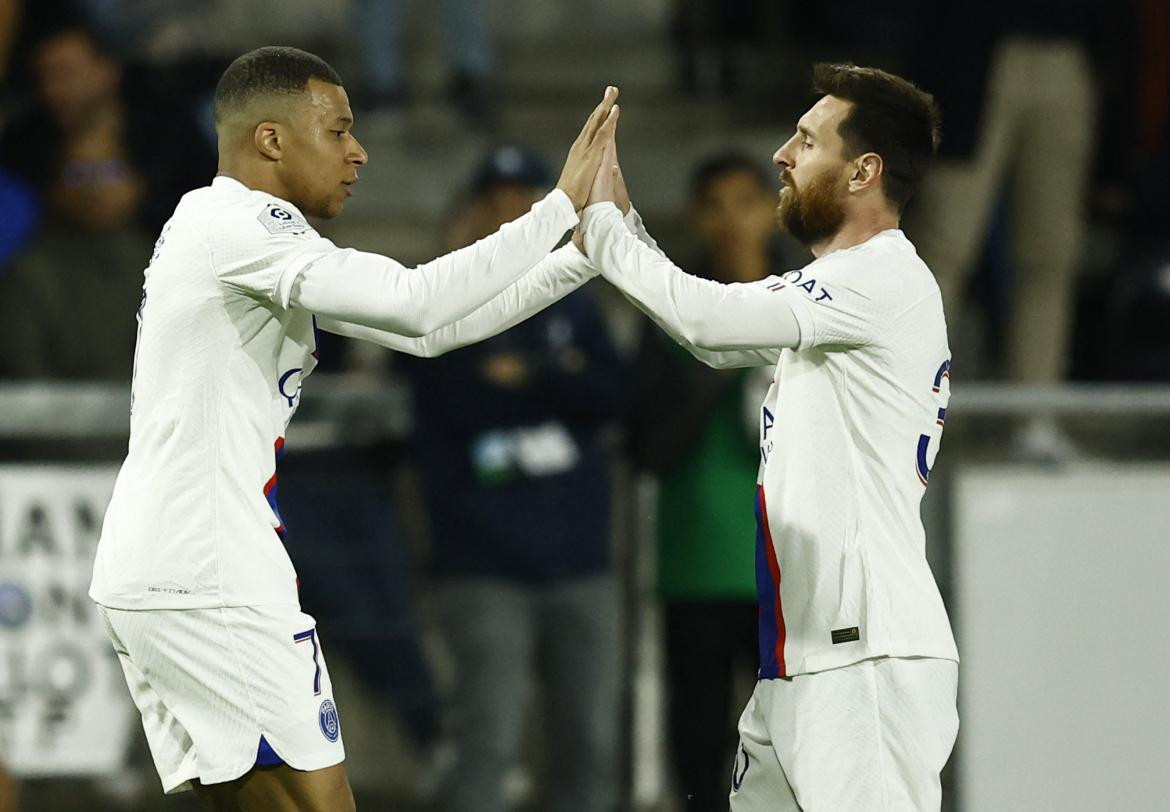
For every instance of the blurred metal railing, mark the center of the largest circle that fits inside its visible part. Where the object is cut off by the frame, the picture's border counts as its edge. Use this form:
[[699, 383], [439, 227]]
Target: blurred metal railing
[[335, 408], [361, 407]]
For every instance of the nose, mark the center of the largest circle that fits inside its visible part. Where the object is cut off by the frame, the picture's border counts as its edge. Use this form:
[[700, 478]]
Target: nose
[[359, 156], [784, 157]]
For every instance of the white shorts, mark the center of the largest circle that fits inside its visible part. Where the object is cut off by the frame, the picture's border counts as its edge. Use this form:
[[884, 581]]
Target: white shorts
[[211, 682], [869, 737]]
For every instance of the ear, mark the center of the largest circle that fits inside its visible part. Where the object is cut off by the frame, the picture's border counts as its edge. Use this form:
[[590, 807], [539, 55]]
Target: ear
[[269, 140], [867, 172]]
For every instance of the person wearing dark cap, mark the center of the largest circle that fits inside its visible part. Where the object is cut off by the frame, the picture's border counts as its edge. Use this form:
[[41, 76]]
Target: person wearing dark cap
[[507, 180], [511, 450]]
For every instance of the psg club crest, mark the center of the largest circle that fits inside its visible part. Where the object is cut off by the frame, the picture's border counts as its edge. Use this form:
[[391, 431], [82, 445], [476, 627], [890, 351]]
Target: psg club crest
[[327, 716]]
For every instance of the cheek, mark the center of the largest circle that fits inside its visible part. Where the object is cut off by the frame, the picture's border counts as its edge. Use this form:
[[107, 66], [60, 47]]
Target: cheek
[[809, 170]]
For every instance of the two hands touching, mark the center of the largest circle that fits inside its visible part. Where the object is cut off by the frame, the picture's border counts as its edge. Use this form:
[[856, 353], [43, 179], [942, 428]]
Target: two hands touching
[[591, 173], [589, 152]]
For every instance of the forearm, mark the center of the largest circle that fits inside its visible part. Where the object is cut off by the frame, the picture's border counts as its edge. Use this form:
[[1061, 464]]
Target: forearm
[[553, 278], [372, 291], [718, 360], [725, 359], [700, 314]]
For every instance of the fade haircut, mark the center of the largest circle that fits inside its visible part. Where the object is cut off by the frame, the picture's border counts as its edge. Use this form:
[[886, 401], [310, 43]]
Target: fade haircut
[[267, 71], [728, 163], [890, 116]]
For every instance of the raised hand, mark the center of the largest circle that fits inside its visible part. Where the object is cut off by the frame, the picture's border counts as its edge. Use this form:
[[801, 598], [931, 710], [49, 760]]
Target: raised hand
[[604, 183], [605, 179], [586, 152]]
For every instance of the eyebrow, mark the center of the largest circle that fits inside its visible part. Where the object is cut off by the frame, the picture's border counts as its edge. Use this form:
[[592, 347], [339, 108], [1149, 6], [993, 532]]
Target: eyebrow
[[344, 119], [805, 131]]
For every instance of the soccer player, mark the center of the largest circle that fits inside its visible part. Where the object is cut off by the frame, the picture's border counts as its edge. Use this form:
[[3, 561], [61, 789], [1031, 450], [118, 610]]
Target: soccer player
[[855, 704], [198, 594]]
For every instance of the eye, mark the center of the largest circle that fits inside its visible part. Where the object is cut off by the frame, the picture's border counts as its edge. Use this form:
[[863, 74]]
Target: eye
[[338, 133], [806, 144]]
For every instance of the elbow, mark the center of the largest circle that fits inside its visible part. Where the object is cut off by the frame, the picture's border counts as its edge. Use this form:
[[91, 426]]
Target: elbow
[[419, 323], [715, 360], [408, 330], [698, 333], [419, 350], [429, 350]]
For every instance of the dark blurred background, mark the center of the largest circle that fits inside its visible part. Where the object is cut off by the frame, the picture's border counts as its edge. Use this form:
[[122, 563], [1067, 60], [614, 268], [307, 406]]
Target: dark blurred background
[[531, 558]]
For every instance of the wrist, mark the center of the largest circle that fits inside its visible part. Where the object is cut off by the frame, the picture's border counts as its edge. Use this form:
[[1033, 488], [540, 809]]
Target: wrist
[[578, 201]]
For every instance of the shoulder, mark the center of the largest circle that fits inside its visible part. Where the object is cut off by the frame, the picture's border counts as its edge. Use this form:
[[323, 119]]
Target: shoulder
[[238, 217], [251, 211], [886, 267]]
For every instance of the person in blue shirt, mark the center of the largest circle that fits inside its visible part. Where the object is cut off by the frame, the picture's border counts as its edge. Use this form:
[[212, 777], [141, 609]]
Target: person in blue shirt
[[515, 464]]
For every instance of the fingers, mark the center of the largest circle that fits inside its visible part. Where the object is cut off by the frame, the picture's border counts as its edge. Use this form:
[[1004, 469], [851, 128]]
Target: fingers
[[605, 136], [598, 116], [603, 180], [607, 132], [585, 155]]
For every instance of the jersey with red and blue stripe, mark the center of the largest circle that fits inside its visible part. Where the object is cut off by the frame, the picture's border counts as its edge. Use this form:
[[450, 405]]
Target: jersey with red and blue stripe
[[849, 430]]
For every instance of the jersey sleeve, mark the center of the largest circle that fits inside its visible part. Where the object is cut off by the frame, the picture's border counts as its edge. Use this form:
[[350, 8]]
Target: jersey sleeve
[[553, 278], [260, 251], [724, 325], [838, 302], [375, 291]]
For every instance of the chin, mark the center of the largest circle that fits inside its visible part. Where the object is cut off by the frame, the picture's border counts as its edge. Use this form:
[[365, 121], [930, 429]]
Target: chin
[[327, 211]]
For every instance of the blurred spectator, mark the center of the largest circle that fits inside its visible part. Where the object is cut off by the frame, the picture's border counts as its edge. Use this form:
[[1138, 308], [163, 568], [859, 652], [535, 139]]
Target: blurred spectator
[[380, 25], [1016, 85], [18, 200], [516, 476], [109, 166], [706, 456]]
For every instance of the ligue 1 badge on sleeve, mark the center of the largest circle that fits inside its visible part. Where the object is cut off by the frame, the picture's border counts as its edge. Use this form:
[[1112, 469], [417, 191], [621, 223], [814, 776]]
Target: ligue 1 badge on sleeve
[[279, 220], [330, 724]]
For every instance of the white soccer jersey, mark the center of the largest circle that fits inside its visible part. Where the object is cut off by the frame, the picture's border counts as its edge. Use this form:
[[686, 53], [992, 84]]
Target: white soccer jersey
[[226, 338], [848, 432]]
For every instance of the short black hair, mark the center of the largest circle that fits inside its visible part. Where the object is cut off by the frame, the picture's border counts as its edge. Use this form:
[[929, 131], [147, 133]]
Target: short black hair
[[269, 70], [891, 116], [727, 163]]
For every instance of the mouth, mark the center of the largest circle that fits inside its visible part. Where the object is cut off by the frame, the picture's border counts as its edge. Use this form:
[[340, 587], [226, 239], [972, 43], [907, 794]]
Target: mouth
[[348, 184]]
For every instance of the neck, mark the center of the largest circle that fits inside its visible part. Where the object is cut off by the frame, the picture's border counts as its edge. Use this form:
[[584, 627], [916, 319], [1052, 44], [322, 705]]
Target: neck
[[253, 177], [855, 231]]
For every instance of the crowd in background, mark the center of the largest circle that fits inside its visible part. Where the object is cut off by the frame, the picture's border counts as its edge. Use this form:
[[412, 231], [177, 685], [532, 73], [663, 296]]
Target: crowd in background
[[1045, 222], [1042, 219]]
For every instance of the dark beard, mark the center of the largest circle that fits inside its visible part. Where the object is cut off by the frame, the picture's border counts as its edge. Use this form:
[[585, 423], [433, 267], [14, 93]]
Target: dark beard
[[813, 215]]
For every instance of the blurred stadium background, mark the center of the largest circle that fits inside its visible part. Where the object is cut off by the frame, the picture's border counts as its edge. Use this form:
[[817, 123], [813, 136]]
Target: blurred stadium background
[[1048, 511]]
